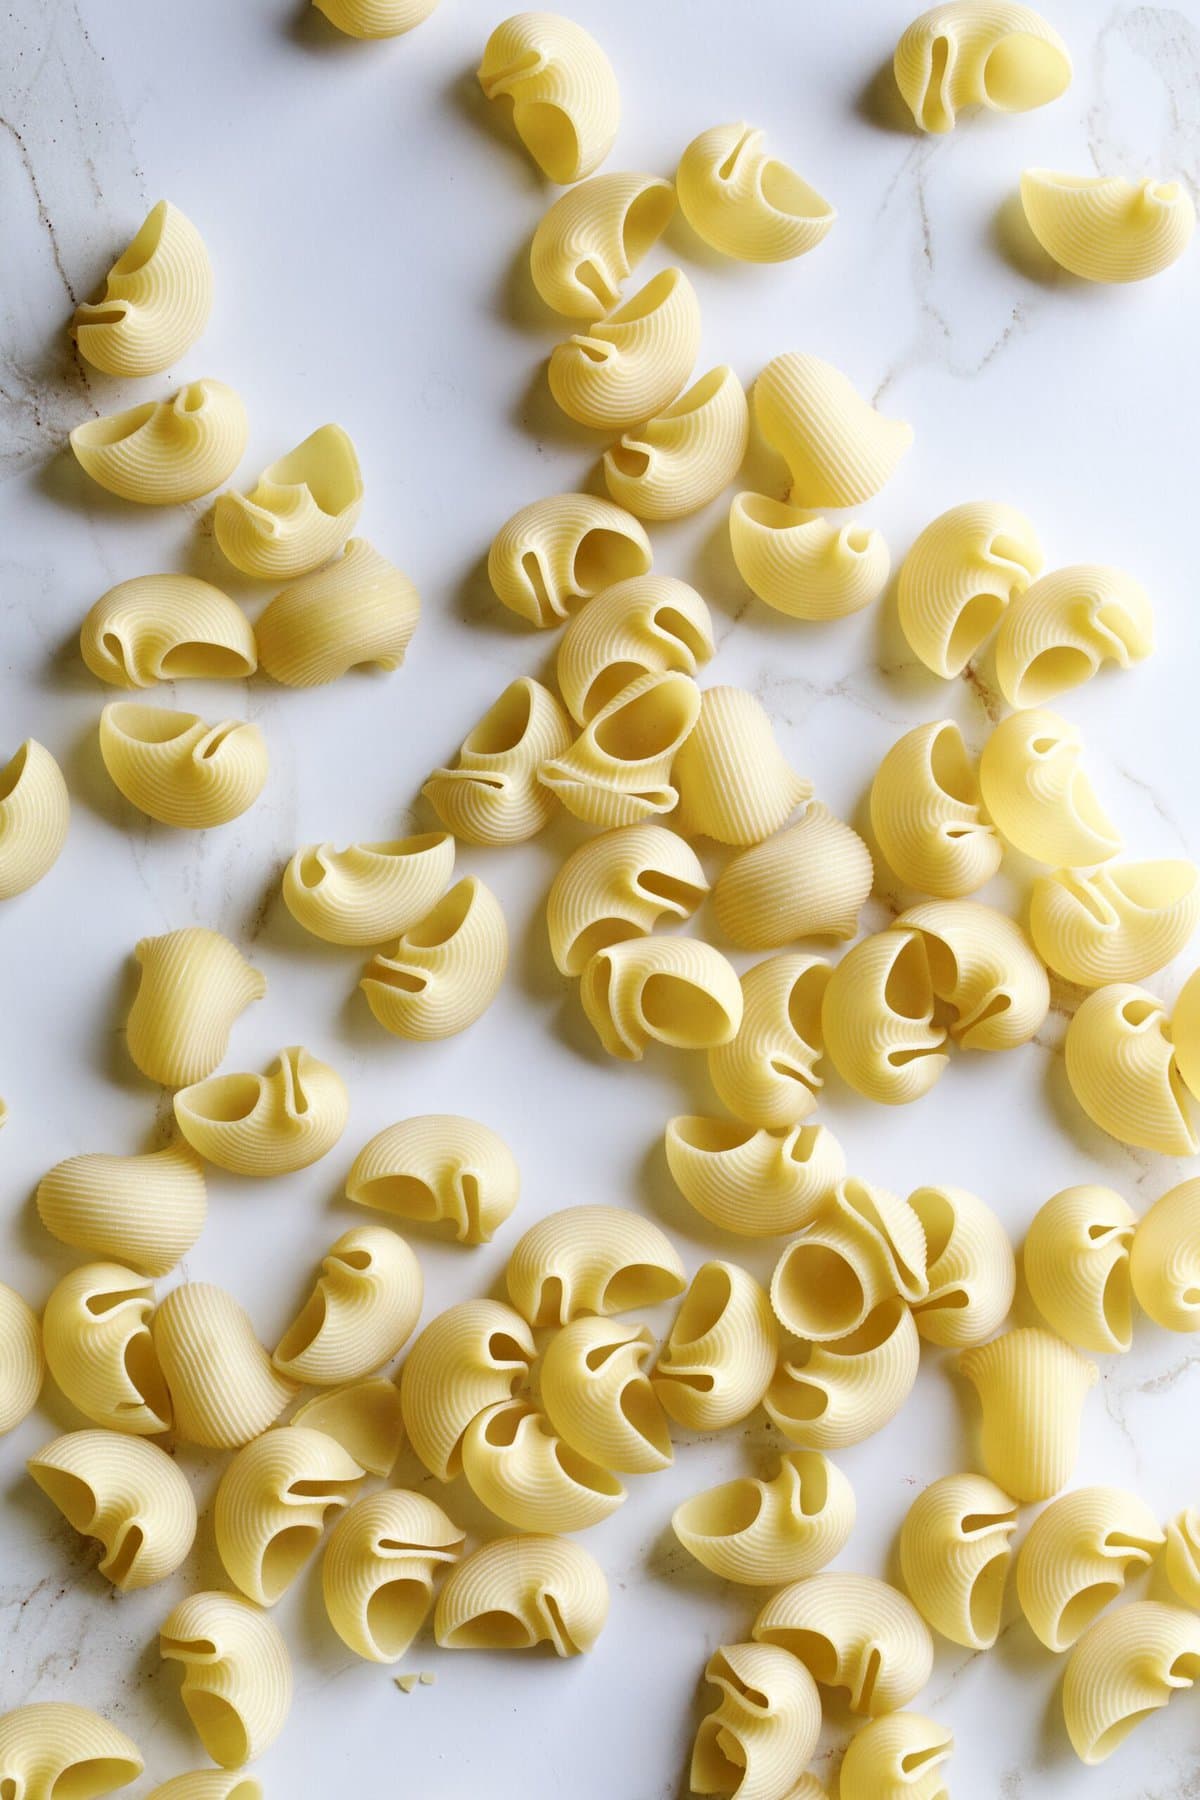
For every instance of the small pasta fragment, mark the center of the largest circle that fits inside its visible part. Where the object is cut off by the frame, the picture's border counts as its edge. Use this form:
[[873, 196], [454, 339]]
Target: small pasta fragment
[[838, 449], [270, 1124], [467, 1359], [618, 771], [34, 813], [179, 770], [764, 1728], [363, 1307], [1031, 1389], [864, 1245], [762, 1532], [167, 628], [438, 1169], [53, 1748], [811, 880], [962, 573], [633, 362], [237, 1675], [517, 1592], [565, 102], [927, 814], [272, 1505], [1120, 923], [1077, 1558], [125, 1492], [300, 511], [1076, 1260], [556, 553], [735, 784], [618, 886], [769, 1074], [593, 237], [1125, 1667], [829, 1395], [379, 1567], [599, 1398], [1057, 633], [166, 451], [148, 1210], [650, 624], [192, 987], [22, 1363], [719, 1356], [687, 454], [358, 612], [443, 972], [955, 1553], [364, 1418], [1105, 228], [156, 301], [801, 564], [223, 1387], [757, 1183], [1122, 1067], [96, 1330], [878, 1019], [899, 1757], [745, 203], [1037, 791], [374, 19], [1164, 1261], [984, 970], [492, 795], [852, 1632], [367, 893], [1000, 55], [970, 1266], [591, 1259], [524, 1473], [668, 990], [1181, 1559]]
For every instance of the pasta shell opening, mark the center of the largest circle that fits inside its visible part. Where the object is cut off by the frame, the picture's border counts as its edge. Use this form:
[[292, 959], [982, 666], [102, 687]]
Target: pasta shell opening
[[123, 1553], [656, 293], [489, 1631], [225, 1099], [395, 1613], [285, 1556], [646, 218], [10, 775], [605, 557], [787, 192], [93, 1775], [74, 1497], [640, 1408], [817, 1292], [191, 661], [639, 1284], [504, 724], [447, 918], [116, 428], [1053, 672], [973, 626], [986, 1598], [951, 769], [646, 726], [712, 1137], [147, 724], [1022, 72], [220, 1728], [937, 1216], [550, 138], [144, 244], [681, 1013], [722, 1511], [908, 989], [702, 1309], [326, 465]]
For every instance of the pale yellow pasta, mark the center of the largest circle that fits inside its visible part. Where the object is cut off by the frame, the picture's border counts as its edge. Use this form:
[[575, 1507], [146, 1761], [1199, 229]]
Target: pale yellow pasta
[[618, 886], [1078, 1556], [438, 1169], [192, 986], [300, 511], [745, 203], [928, 817], [1185, 1032], [899, 1757], [517, 1592], [146, 1210], [34, 813], [829, 1395], [1105, 227], [1120, 923], [769, 1074], [524, 1473], [237, 1675], [763, 1729], [127, 1493], [852, 1632], [591, 1259], [810, 880], [375, 18], [719, 1356], [1181, 1558], [1122, 1068], [735, 784], [180, 770], [1057, 633], [802, 564], [878, 1019], [991, 53], [492, 795], [955, 1552], [983, 970], [687, 454], [368, 893], [618, 771], [962, 572], [765, 1532], [166, 451], [22, 1363], [364, 1418], [1038, 793], [167, 628], [864, 1245], [356, 613], [468, 1358], [632, 363], [1031, 1389], [273, 1503], [209, 1784], [223, 1388], [565, 102], [668, 990], [53, 1748], [970, 1267], [96, 1331], [1076, 1261], [1125, 1667], [650, 624], [556, 553], [363, 1306], [268, 1124], [757, 1183], [599, 1398], [156, 301], [838, 449], [593, 237], [442, 973], [1164, 1261], [378, 1571]]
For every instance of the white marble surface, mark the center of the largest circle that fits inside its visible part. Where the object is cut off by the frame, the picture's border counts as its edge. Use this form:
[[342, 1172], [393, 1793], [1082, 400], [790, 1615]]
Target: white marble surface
[[369, 227]]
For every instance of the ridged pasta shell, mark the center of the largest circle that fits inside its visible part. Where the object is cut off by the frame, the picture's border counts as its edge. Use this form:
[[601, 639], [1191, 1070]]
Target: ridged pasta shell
[[357, 612], [650, 624], [1185, 1032], [125, 1492], [745, 203], [52, 1746], [719, 1356], [762, 1532], [1057, 633], [1031, 1389], [1122, 1068], [864, 1245], [735, 784], [830, 1395], [928, 817], [1078, 1556], [565, 103], [524, 1473], [492, 795], [1105, 228], [632, 363], [96, 1330], [375, 18], [1076, 1261], [468, 1358], [192, 987], [768, 1074], [764, 1727], [810, 880], [300, 511], [899, 1757], [962, 572], [593, 237], [368, 893], [443, 972], [756, 1183], [179, 770], [668, 990], [995, 54], [591, 1259], [364, 1304], [438, 1169], [852, 1632], [1125, 1667], [1164, 1260], [801, 564], [22, 1364], [209, 1784], [983, 967], [878, 1019], [1120, 923], [955, 1555], [149, 1210], [364, 1418], [166, 451], [687, 454], [273, 1503], [618, 886], [599, 1398], [838, 449], [1035, 788], [34, 813], [223, 1388], [237, 1675], [156, 301], [1181, 1559], [167, 628], [517, 1592], [970, 1267], [270, 1124], [556, 553], [378, 1571]]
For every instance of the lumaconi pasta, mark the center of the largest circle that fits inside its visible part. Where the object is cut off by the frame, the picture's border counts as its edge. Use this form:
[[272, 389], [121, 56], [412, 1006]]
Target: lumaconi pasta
[[1164, 1261], [898, 1757], [591, 1259], [764, 1727], [864, 1245], [524, 1473], [178, 769], [928, 817], [379, 1567], [990, 53], [648, 625], [1181, 1558], [829, 1395], [810, 880], [757, 1183], [1122, 1068], [517, 1592], [565, 103], [618, 886], [167, 628], [803, 565], [368, 893], [268, 1124], [34, 812], [1185, 1033], [147, 1210], [364, 1418], [763, 1532], [1057, 633], [127, 1493], [632, 363], [357, 612], [984, 970], [156, 301], [1076, 1261], [970, 1266], [1031, 1389], [671, 990], [1078, 1556], [682, 458], [1125, 1667], [53, 1745], [273, 1503], [593, 237], [1035, 788], [375, 18], [22, 1364], [1120, 923], [769, 1073], [962, 572], [878, 1018], [735, 784], [237, 1675], [470, 1357], [443, 972], [745, 203], [492, 795], [209, 1784], [556, 553], [223, 1387], [166, 451], [438, 1169], [364, 1304], [96, 1330], [298, 514], [192, 986], [599, 1397], [838, 449], [852, 1632], [719, 1356], [955, 1553], [1105, 228]]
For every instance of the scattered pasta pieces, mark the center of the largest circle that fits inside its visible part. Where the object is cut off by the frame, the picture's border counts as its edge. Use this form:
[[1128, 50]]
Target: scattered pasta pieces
[[237, 1675], [299, 513], [492, 795], [1077, 1267], [438, 1170], [358, 612], [648, 625], [962, 573], [147, 1210], [764, 1727], [1105, 228], [991, 53], [592, 239], [1119, 923], [927, 814], [1031, 1389], [193, 984], [368, 893], [633, 362], [517, 1592], [34, 814], [686, 455], [745, 203], [164, 452], [1038, 793], [955, 1556], [838, 449], [764, 1532], [810, 880], [167, 628], [443, 972], [127, 1493], [22, 1363], [801, 564], [179, 770], [1077, 1557], [852, 1632], [1125, 1667], [556, 553], [156, 301], [565, 103], [269, 1124]]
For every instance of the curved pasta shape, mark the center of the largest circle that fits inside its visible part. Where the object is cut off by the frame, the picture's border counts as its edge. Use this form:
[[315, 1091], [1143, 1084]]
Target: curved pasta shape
[[166, 451], [685, 456], [273, 1503], [970, 1267], [991, 53], [156, 301], [899, 1757], [757, 1183], [209, 1784], [838, 449], [368, 893], [167, 628], [1058, 632], [468, 1358], [379, 1567], [52, 1748], [1105, 228], [1120, 923], [878, 1019], [524, 1473], [237, 1675], [180, 770], [927, 814], [192, 987], [982, 967], [1125, 1667], [34, 813], [364, 1418], [223, 1387], [764, 1532], [1031, 1389], [802, 565], [565, 102], [745, 203], [517, 1592], [363, 1307], [438, 1169], [719, 1356], [599, 1398], [356, 613], [811, 880], [618, 886], [22, 1363], [852, 1632], [1185, 1033], [593, 237], [127, 1493], [650, 624], [735, 784], [96, 1331], [1181, 1558], [962, 573], [147, 1210], [268, 1124], [955, 1553], [443, 972], [556, 553], [492, 795], [1037, 791], [618, 771], [864, 1245], [633, 362], [670, 990], [1164, 1260], [298, 514], [1078, 1556], [769, 1073], [830, 1395], [1123, 1071], [375, 18], [591, 1259], [1076, 1260], [764, 1727]]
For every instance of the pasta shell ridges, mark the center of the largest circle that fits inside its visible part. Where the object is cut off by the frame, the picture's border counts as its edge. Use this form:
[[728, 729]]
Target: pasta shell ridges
[[441, 1169], [686, 455], [34, 814], [22, 1363], [839, 450], [165, 452], [179, 770], [592, 237], [444, 972], [520, 1591], [633, 363], [556, 553], [801, 564], [167, 628], [358, 612], [156, 302], [299, 513], [1105, 228], [810, 880], [745, 203]]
